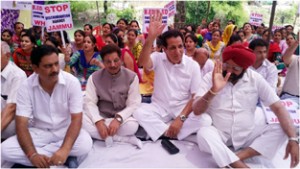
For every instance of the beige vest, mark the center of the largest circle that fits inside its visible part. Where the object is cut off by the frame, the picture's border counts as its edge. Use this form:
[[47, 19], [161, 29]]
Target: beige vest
[[112, 90]]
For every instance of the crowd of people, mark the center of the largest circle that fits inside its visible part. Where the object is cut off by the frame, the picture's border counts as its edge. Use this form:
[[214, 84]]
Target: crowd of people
[[58, 95]]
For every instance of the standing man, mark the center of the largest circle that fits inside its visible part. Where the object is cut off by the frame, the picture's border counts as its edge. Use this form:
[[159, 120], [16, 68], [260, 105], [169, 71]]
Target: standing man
[[262, 65], [11, 78], [177, 78], [112, 94], [53, 100], [229, 95]]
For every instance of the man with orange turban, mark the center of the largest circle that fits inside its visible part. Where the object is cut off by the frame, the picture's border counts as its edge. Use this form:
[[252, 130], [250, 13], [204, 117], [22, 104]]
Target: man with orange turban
[[229, 95]]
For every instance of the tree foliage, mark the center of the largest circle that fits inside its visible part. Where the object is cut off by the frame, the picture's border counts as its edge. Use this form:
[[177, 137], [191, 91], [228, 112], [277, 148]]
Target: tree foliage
[[224, 10]]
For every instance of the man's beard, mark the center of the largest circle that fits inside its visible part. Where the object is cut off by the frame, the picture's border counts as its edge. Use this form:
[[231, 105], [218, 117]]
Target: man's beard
[[233, 78]]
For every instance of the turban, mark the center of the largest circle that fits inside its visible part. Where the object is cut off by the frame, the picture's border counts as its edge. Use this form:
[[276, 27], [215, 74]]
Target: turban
[[240, 55]]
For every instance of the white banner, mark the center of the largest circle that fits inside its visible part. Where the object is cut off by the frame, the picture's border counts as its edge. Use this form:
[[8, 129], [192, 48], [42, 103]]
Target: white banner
[[150, 11], [290, 106], [16, 5], [37, 15], [58, 17], [171, 6], [256, 19]]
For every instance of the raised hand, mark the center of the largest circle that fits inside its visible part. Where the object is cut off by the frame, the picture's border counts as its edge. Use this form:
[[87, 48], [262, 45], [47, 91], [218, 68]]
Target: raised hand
[[218, 80], [155, 27]]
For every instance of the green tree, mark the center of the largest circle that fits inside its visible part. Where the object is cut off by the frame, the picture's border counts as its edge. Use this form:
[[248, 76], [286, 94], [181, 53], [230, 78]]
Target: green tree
[[223, 10]]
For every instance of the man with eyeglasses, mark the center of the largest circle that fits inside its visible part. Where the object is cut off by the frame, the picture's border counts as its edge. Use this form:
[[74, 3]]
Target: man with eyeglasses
[[112, 94], [229, 95]]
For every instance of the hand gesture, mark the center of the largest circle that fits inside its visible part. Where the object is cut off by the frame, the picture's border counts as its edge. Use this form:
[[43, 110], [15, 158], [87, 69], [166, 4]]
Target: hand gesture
[[155, 27], [113, 127], [218, 80], [174, 128], [40, 161], [59, 157], [102, 129], [292, 148]]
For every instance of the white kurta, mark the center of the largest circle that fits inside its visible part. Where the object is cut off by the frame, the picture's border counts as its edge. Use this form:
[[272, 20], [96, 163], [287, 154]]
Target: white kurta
[[174, 85], [51, 117], [234, 121], [11, 79]]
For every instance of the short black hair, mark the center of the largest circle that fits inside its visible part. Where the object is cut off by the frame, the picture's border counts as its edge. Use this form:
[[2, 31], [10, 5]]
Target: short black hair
[[258, 42], [39, 52], [110, 48], [17, 24], [171, 34], [234, 38]]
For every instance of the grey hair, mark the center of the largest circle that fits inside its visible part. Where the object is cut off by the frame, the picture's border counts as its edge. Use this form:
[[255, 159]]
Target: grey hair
[[5, 47]]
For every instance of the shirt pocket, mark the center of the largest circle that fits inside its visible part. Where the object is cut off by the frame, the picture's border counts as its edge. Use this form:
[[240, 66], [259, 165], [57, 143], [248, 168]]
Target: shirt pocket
[[248, 98]]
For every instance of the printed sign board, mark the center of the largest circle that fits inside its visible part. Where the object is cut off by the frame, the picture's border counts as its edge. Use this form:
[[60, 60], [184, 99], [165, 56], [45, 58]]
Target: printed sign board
[[37, 15], [58, 17], [150, 11]]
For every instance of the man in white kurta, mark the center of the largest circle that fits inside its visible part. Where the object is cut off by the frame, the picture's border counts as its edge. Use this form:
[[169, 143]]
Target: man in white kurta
[[177, 79], [11, 78], [231, 106], [52, 99], [262, 65]]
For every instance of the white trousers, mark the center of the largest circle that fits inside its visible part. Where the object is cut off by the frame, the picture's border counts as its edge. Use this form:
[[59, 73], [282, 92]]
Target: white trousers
[[266, 139], [46, 143], [128, 128], [150, 118]]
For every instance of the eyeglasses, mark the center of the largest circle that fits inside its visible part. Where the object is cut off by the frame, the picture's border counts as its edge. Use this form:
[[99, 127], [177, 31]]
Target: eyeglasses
[[235, 68]]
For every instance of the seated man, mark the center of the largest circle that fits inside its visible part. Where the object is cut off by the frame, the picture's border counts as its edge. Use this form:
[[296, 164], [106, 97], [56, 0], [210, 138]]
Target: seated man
[[262, 65], [202, 57], [177, 78], [53, 99], [229, 95], [112, 94], [11, 78]]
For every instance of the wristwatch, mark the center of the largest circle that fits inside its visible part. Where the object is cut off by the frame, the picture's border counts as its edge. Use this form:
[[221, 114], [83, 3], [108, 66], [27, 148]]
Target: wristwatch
[[182, 117], [119, 118], [294, 139]]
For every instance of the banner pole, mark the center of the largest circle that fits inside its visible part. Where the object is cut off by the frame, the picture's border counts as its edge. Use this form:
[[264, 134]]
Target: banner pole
[[63, 38]]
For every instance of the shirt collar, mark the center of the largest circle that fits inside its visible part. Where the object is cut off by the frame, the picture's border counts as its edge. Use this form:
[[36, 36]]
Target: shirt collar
[[6, 71], [35, 81], [182, 63]]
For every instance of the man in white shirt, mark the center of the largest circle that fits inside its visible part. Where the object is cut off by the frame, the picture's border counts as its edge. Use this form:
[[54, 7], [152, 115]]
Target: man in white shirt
[[229, 95], [177, 78], [202, 57], [112, 94], [11, 78], [262, 65], [291, 86], [53, 100]]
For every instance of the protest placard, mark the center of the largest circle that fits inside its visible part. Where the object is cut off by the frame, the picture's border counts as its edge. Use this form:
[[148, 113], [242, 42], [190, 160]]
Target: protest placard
[[58, 17], [37, 15], [171, 6], [256, 19], [150, 11]]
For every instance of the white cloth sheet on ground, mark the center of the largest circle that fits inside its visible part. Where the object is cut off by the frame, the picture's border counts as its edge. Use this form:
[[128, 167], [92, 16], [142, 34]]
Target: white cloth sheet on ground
[[152, 155]]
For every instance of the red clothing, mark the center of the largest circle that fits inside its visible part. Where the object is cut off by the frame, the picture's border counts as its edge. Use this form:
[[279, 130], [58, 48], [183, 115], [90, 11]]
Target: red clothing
[[99, 43], [22, 59], [16, 40], [273, 48], [135, 66]]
